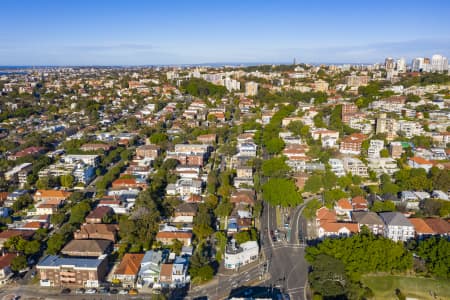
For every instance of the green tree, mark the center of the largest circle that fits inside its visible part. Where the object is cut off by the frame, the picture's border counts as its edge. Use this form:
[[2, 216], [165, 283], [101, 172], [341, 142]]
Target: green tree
[[275, 167], [311, 207], [275, 145], [281, 191], [436, 253], [67, 180], [32, 247], [158, 138], [313, 184], [328, 276], [19, 263], [78, 212], [55, 243], [380, 206]]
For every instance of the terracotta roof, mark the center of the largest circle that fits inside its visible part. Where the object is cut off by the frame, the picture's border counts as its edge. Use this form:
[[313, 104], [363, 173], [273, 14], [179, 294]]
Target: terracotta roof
[[324, 214], [99, 228], [130, 264], [173, 235], [420, 226], [6, 259], [125, 181], [335, 227], [52, 194], [243, 196], [3, 196], [166, 270], [34, 224], [26, 234], [344, 204], [359, 200], [439, 226], [194, 198], [420, 160], [99, 212]]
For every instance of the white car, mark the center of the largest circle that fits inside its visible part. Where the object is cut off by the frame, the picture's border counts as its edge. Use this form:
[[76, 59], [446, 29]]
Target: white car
[[91, 291], [123, 292]]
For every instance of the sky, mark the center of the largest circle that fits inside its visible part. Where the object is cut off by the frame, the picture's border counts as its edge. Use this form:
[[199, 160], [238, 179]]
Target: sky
[[137, 32]]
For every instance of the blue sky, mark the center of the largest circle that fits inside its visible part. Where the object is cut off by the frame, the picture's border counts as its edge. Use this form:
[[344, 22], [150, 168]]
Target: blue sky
[[136, 32]]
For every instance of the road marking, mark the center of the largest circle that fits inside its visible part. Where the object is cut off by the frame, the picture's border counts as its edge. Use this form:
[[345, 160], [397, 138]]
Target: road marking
[[297, 289]]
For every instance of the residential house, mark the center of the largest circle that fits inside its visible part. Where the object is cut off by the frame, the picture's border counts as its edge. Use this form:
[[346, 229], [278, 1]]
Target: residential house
[[185, 213], [174, 273], [5, 267], [369, 219], [243, 196], [9, 233], [343, 209], [48, 207], [97, 232], [208, 139], [397, 227], [99, 215], [439, 226], [96, 147], [150, 269], [128, 269], [87, 248], [247, 149], [419, 162], [337, 229], [125, 183], [56, 271], [51, 195], [421, 228], [359, 203], [168, 237]]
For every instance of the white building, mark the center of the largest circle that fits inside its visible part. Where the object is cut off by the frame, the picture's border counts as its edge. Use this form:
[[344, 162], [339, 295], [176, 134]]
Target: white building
[[238, 256], [355, 166], [397, 227], [439, 63], [374, 148], [92, 160], [337, 167]]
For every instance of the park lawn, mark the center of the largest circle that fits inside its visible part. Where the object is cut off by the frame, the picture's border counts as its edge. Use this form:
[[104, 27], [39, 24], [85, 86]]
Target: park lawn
[[384, 287]]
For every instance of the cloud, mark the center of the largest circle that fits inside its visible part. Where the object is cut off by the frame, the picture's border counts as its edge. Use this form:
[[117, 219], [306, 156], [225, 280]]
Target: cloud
[[367, 53]]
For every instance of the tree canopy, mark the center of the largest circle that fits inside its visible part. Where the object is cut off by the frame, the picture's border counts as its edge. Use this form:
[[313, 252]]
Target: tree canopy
[[281, 191]]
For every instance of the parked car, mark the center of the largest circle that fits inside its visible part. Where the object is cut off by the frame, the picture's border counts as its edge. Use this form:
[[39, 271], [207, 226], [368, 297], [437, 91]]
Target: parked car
[[123, 292], [65, 291], [80, 291], [113, 291], [91, 291]]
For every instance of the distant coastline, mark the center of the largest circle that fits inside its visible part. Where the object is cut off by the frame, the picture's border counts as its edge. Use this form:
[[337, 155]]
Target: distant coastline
[[12, 69]]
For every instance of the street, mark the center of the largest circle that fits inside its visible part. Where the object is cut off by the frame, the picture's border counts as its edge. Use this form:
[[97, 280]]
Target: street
[[287, 266]]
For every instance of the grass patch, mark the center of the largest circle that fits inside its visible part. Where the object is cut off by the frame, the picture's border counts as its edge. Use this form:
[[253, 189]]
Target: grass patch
[[278, 213], [384, 287]]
